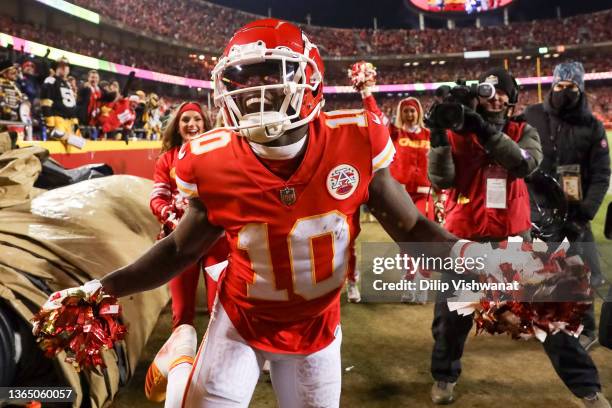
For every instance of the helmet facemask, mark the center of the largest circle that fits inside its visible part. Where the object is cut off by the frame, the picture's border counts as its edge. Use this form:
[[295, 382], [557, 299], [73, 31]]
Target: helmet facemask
[[261, 91]]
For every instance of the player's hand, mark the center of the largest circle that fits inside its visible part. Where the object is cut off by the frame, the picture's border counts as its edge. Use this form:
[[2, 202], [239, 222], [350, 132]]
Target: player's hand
[[362, 75], [370, 83], [86, 290]]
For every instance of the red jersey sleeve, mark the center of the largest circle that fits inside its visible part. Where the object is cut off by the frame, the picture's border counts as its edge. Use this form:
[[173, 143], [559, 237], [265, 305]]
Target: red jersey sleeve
[[370, 105], [382, 148], [161, 195], [185, 178]]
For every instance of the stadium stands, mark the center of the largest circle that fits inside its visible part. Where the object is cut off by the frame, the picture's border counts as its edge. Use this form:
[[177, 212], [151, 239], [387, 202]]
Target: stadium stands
[[208, 26], [191, 66]]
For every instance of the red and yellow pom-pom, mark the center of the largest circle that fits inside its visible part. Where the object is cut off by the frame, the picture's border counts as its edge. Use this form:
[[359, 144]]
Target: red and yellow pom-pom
[[360, 73], [82, 326], [524, 320]]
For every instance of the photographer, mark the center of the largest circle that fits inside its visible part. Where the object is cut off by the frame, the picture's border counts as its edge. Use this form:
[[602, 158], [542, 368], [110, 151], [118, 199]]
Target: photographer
[[481, 155], [483, 144], [483, 158], [467, 151], [576, 154]]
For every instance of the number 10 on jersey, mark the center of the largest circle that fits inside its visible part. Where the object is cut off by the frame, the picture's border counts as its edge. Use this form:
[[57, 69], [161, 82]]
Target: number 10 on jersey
[[254, 239]]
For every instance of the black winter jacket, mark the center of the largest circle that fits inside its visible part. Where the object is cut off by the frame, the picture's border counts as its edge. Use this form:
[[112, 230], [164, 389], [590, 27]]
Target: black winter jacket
[[574, 137]]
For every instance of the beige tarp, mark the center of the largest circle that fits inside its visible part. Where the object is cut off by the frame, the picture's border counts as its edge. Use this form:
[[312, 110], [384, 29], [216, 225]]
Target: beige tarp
[[73, 234], [5, 142], [19, 169]]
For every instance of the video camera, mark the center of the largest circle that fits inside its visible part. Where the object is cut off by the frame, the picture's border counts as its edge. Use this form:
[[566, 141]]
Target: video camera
[[449, 113]]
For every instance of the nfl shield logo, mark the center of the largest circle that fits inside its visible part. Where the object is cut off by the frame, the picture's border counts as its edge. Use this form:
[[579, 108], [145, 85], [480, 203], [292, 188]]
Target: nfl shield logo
[[287, 196]]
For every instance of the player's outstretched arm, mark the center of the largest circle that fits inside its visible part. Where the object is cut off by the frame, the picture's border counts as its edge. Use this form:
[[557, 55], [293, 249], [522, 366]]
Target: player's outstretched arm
[[394, 209], [193, 236]]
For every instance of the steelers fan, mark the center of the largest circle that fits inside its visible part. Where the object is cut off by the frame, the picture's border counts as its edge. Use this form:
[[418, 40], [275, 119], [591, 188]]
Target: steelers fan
[[10, 96], [58, 102], [484, 162]]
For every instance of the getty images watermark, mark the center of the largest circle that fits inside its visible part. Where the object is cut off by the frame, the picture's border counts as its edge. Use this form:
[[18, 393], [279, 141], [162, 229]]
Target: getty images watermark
[[406, 273], [423, 265]]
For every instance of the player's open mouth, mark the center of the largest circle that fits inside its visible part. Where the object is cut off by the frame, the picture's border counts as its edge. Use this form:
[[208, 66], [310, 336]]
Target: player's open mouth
[[255, 101]]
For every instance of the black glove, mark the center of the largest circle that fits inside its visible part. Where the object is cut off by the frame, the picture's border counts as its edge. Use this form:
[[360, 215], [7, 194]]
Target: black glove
[[438, 137], [474, 123]]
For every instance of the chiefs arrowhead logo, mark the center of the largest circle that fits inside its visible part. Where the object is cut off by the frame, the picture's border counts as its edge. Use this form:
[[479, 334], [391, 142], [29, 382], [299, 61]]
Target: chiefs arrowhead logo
[[342, 181], [375, 119]]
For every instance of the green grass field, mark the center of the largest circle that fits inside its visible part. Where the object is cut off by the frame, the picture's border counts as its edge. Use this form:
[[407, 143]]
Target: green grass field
[[386, 353]]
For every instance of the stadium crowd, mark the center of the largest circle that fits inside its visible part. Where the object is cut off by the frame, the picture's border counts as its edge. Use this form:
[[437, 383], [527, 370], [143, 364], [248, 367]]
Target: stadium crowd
[[60, 101], [107, 51], [152, 107], [600, 101], [425, 72], [192, 67], [215, 25]]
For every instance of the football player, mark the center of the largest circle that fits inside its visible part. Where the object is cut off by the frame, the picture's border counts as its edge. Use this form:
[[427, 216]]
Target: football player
[[283, 182]]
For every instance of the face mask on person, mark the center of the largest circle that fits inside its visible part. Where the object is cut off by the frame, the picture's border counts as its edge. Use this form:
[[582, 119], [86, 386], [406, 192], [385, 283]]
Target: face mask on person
[[565, 99]]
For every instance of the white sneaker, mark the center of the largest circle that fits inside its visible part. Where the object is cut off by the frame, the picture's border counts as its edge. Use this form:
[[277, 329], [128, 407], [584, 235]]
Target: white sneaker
[[179, 348], [353, 292]]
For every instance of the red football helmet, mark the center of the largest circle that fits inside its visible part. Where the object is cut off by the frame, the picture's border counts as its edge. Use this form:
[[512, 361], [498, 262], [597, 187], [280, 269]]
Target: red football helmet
[[268, 80]]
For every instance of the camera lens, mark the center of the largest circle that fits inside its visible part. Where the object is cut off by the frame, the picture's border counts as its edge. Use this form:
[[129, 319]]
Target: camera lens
[[486, 90]]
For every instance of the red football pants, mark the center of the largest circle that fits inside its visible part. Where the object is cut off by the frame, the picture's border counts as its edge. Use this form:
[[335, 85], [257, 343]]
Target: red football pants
[[183, 288]]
